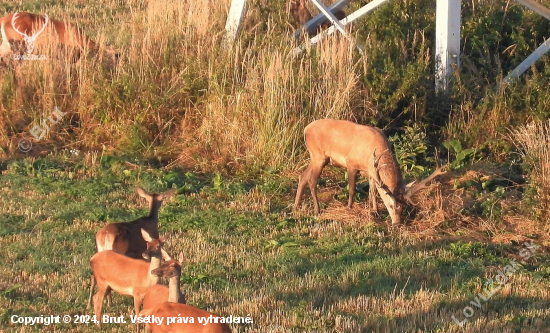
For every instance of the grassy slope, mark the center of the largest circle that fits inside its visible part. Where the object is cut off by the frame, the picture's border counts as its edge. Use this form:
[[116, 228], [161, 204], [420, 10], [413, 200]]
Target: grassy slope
[[248, 255]]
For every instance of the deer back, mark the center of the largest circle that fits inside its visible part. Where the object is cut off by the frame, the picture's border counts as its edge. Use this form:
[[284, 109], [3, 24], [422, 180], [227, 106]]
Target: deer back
[[125, 237], [30, 24], [350, 145], [158, 294], [168, 309], [124, 274]]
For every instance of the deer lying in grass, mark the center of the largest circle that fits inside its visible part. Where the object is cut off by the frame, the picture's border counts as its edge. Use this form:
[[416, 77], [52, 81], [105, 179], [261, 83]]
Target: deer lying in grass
[[361, 149], [125, 237], [160, 293], [172, 269], [32, 30], [126, 276], [302, 15]]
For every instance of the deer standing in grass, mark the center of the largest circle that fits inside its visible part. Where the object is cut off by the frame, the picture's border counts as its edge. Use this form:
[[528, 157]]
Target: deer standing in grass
[[126, 237], [32, 30], [125, 275], [172, 269], [160, 293], [359, 149]]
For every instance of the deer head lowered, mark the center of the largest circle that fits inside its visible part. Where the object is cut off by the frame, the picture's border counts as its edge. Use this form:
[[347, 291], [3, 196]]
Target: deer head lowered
[[354, 147]]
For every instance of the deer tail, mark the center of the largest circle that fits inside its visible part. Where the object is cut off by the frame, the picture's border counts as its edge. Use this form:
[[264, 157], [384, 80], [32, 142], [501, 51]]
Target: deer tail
[[4, 36], [104, 242]]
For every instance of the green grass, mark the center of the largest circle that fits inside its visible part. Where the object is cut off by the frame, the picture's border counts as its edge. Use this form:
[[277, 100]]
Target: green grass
[[248, 254]]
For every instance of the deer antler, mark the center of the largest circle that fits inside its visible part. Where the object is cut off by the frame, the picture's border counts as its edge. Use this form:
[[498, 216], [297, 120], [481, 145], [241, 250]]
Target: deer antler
[[15, 28], [413, 188]]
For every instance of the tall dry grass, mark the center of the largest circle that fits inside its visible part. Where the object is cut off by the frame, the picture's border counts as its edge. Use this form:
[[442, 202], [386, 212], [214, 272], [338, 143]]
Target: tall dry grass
[[533, 142], [273, 96], [177, 89], [178, 94]]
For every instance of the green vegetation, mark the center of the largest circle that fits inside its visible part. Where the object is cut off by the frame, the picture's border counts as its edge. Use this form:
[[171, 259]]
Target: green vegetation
[[225, 127], [247, 255]]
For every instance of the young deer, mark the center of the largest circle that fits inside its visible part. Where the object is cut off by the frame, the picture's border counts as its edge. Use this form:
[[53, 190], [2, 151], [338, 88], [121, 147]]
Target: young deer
[[125, 237], [359, 149], [126, 276], [172, 270], [32, 30], [160, 293]]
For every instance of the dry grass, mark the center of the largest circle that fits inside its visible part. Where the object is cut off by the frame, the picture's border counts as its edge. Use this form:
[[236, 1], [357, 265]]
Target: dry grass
[[533, 141], [177, 92]]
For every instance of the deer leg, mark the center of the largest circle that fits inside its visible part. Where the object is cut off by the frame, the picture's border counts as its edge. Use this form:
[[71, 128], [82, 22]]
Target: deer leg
[[98, 302], [312, 182], [352, 175], [372, 196], [301, 185], [92, 285], [137, 306], [109, 296]]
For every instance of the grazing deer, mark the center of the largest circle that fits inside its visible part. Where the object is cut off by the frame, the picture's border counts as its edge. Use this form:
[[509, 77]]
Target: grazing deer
[[302, 15], [361, 149], [30, 29], [172, 269], [160, 293], [126, 276]]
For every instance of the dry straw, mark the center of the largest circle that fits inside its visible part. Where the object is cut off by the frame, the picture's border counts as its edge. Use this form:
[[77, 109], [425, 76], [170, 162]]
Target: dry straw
[[533, 142]]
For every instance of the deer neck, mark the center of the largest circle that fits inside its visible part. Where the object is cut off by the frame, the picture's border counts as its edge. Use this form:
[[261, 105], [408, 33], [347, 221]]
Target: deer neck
[[154, 207], [155, 263], [174, 289], [391, 173]]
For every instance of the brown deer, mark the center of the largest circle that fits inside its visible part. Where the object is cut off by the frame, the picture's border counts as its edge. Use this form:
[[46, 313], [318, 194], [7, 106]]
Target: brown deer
[[32, 30], [302, 15], [125, 237], [160, 293], [126, 276], [172, 269], [359, 149]]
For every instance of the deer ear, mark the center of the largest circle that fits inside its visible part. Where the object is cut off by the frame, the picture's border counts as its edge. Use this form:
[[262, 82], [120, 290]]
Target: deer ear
[[146, 235], [167, 194], [165, 255], [180, 257], [142, 193], [164, 238]]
